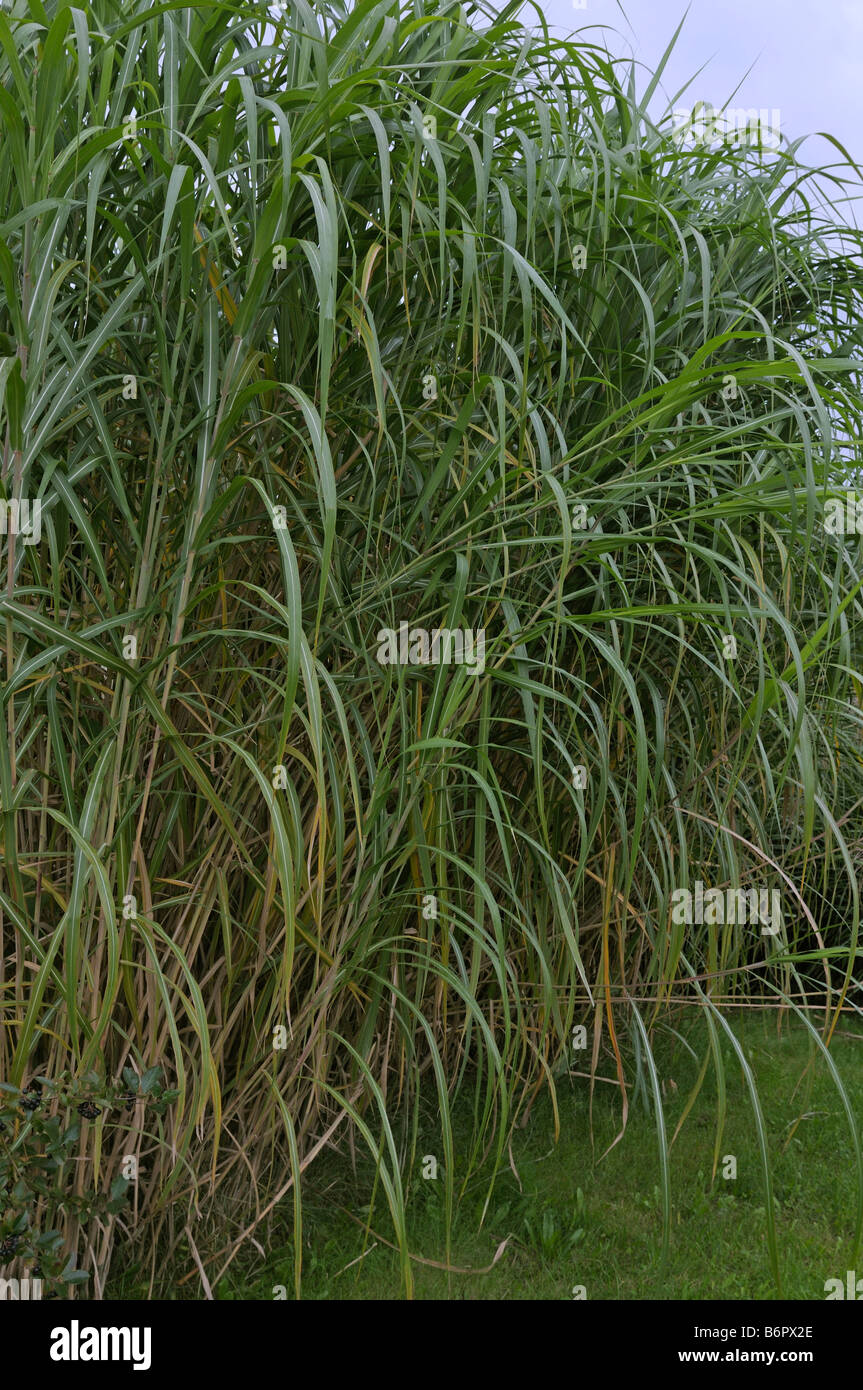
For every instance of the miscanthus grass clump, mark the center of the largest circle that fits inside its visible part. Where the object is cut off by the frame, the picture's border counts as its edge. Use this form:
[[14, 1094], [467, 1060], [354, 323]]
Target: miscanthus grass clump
[[321, 323]]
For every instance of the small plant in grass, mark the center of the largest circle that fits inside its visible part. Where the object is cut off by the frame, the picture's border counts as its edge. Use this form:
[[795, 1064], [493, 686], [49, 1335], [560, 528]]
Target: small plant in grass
[[554, 1232], [41, 1131]]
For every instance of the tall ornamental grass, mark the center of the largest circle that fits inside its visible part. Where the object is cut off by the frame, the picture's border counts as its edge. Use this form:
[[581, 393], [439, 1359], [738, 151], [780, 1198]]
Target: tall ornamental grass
[[319, 321]]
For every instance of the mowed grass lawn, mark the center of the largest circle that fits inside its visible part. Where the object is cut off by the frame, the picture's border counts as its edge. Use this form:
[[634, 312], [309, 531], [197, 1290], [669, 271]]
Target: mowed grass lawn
[[577, 1218]]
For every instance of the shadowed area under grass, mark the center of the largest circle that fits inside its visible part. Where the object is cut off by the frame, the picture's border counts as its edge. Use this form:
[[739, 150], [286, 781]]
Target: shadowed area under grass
[[574, 1217]]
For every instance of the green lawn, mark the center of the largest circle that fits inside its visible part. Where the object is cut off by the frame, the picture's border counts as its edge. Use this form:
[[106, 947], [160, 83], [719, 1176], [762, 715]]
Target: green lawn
[[578, 1218]]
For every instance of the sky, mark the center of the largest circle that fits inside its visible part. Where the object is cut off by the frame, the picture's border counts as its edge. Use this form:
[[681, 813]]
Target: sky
[[802, 57]]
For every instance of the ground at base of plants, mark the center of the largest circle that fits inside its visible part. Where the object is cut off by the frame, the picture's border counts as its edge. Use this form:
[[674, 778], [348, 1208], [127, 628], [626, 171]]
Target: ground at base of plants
[[581, 1216]]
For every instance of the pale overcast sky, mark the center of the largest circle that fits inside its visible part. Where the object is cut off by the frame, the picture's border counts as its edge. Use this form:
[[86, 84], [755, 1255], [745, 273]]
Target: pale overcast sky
[[804, 57]]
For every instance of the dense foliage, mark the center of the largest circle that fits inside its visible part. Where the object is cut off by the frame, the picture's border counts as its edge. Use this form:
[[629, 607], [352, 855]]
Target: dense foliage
[[320, 321]]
